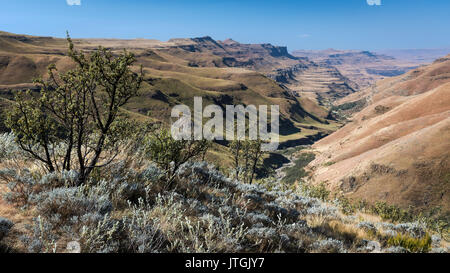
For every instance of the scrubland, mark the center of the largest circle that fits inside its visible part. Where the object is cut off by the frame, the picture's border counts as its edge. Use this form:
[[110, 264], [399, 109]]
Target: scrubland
[[127, 207]]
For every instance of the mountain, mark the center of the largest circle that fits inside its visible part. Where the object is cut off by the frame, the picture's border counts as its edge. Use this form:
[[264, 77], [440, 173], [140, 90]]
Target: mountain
[[397, 148], [222, 72], [131, 206], [420, 56], [319, 84], [363, 67]]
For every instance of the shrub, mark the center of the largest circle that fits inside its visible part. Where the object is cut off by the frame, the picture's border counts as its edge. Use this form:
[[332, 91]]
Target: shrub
[[152, 174], [122, 184], [103, 237], [8, 147], [415, 230], [62, 204], [345, 205], [255, 218], [142, 233], [368, 227], [24, 184], [275, 211], [322, 210], [57, 180], [396, 249], [297, 172], [20, 185], [320, 191], [264, 238], [219, 234], [328, 246], [43, 238], [5, 226], [76, 111], [390, 212], [201, 173], [247, 158], [410, 243], [169, 154], [436, 239]]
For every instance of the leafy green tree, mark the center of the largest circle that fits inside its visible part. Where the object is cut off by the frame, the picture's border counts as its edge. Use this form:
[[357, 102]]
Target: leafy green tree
[[169, 154], [75, 120], [247, 157]]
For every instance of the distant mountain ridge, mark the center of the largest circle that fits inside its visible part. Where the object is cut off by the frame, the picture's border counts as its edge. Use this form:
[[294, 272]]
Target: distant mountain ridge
[[423, 56], [366, 67]]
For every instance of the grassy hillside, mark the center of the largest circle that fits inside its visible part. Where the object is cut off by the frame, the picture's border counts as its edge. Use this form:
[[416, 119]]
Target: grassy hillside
[[396, 149], [127, 208], [175, 71]]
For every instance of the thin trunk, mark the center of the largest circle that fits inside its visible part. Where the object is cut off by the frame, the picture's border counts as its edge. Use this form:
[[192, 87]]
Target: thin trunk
[[236, 158], [68, 157], [82, 168], [51, 168], [255, 162], [84, 174]]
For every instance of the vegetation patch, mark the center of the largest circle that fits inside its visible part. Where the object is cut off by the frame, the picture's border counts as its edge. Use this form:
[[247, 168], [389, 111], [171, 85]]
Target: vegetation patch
[[297, 172], [411, 244]]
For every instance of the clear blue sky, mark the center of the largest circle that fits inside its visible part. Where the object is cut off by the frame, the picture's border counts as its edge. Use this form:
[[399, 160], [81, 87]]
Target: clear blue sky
[[299, 24]]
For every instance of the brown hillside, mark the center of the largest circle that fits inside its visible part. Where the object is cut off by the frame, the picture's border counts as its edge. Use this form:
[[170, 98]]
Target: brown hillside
[[175, 71], [397, 149]]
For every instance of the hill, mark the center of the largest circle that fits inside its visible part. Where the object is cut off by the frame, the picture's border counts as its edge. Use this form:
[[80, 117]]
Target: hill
[[140, 202], [363, 67], [222, 72], [396, 149]]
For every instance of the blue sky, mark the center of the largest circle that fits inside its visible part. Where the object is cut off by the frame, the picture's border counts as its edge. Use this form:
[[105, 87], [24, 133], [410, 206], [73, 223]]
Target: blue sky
[[298, 24]]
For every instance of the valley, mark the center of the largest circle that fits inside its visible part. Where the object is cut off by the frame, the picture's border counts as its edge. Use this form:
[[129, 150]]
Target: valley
[[308, 85], [355, 127], [396, 149], [177, 70]]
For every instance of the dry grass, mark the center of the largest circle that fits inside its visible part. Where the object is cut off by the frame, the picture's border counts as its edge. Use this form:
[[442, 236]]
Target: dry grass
[[20, 218]]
